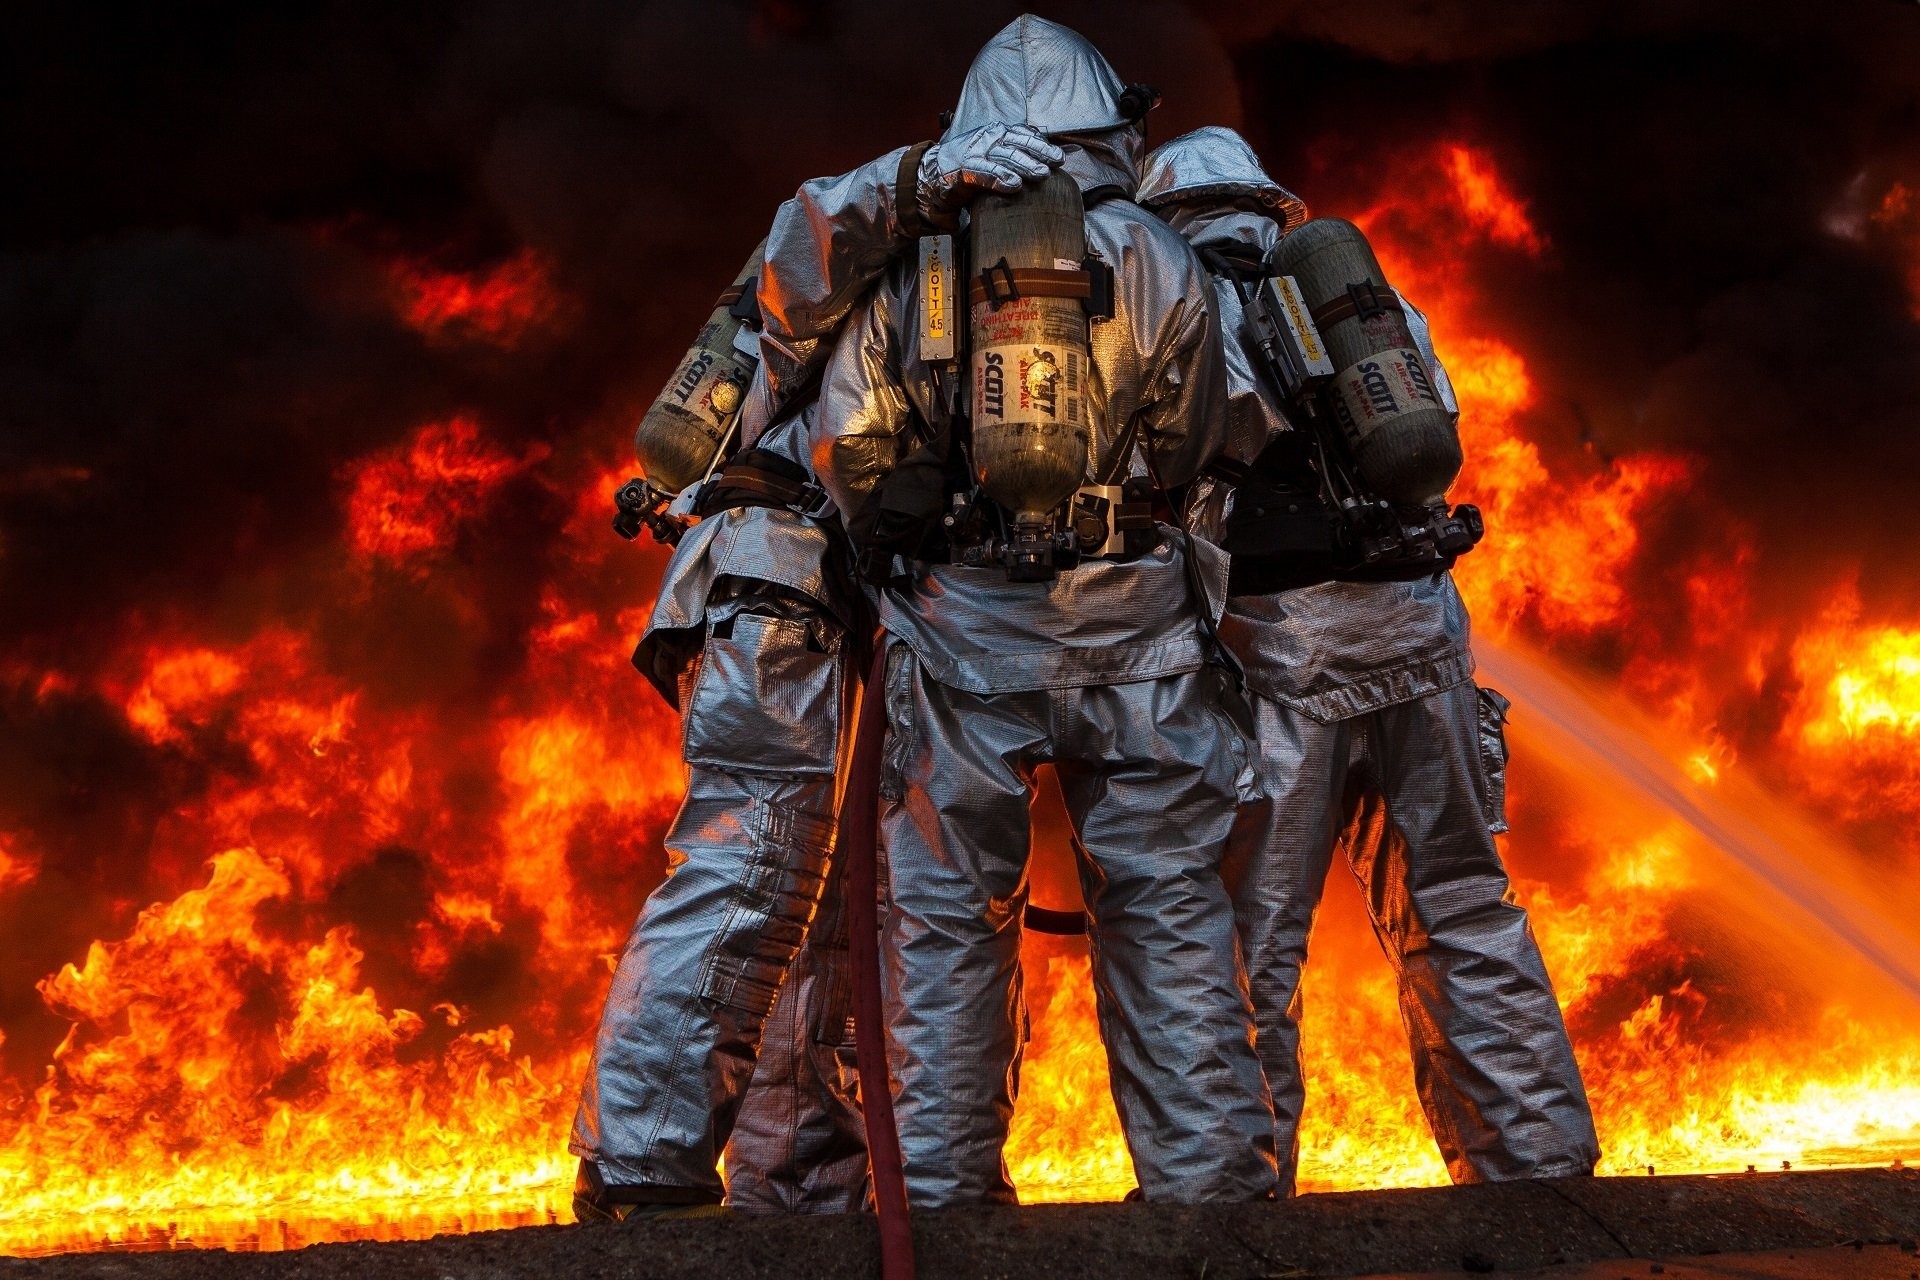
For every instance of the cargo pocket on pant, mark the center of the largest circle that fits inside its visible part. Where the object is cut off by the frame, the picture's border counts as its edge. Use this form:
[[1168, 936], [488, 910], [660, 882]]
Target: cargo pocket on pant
[[901, 672], [765, 698], [776, 900], [1493, 755]]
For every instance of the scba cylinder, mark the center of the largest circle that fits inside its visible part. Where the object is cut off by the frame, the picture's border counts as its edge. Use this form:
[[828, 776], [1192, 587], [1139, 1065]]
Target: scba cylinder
[[689, 421], [1404, 440], [1030, 358]]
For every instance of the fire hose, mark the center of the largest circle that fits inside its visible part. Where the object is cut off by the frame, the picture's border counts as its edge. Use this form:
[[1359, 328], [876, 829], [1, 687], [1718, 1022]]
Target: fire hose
[[860, 833]]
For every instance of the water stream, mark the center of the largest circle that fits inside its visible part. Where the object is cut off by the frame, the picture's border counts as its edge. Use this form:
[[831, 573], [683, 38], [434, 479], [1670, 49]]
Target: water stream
[[1811, 871]]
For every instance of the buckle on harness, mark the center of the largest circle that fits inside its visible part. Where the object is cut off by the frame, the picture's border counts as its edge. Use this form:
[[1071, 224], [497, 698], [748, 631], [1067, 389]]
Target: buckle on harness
[[1099, 299], [1367, 302], [1113, 519], [1000, 288]]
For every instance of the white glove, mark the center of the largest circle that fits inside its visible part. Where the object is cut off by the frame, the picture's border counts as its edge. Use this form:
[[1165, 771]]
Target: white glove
[[994, 157]]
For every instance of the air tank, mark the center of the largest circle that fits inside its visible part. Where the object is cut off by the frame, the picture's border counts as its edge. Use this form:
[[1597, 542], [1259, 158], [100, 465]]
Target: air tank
[[690, 419], [1030, 358], [1404, 440]]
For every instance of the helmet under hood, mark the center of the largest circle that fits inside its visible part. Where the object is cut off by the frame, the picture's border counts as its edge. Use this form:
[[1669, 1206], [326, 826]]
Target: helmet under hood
[[1214, 165], [1042, 74]]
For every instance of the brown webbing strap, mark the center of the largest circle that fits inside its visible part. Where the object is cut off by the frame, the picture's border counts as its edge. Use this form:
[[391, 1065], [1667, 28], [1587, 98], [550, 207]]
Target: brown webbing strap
[[906, 193], [1350, 304], [729, 296], [761, 482], [1061, 924], [1029, 282]]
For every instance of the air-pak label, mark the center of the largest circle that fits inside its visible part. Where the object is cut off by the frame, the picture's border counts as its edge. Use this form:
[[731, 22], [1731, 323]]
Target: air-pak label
[[1029, 382], [1306, 335], [709, 385], [1379, 388], [936, 299]]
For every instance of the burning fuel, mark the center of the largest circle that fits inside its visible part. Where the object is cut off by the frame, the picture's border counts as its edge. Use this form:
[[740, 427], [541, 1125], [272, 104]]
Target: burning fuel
[[315, 852]]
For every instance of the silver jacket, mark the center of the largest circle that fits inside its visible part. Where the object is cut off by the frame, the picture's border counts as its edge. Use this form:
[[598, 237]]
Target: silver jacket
[[1334, 649], [828, 244]]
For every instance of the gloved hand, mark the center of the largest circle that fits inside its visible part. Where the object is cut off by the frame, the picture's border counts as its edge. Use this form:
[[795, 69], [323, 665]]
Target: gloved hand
[[994, 157]]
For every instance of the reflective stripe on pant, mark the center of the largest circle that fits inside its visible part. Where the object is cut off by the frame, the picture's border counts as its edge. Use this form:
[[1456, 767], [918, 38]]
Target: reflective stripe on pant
[[1151, 773], [1492, 1062]]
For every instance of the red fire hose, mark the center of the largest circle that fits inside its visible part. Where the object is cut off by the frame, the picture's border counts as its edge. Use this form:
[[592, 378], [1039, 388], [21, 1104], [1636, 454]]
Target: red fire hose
[[859, 843]]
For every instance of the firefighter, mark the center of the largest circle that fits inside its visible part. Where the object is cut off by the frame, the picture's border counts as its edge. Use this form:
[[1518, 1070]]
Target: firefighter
[[1366, 709], [1097, 662]]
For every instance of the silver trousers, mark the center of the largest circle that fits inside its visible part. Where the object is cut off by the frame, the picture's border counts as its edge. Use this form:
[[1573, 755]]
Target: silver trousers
[[1151, 773], [721, 1020], [799, 1144], [1411, 791]]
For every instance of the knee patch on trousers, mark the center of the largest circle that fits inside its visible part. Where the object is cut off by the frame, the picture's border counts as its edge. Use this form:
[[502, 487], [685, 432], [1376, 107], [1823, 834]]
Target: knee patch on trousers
[[775, 901], [901, 672], [1493, 707]]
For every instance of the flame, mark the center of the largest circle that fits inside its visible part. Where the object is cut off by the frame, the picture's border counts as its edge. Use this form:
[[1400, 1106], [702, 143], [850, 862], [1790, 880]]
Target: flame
[[1898, 217], [15, 869], [1489, 206], [499, 304], [411, 500], [1859, 708], [360, 1002]]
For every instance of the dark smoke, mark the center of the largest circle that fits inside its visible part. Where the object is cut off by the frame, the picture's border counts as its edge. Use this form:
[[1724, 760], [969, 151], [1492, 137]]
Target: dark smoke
[[196, 333]]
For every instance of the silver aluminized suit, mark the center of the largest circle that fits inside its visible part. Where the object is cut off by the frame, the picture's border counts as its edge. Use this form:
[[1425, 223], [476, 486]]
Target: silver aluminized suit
[[1368, 719], [1102, 673], [750, 638]]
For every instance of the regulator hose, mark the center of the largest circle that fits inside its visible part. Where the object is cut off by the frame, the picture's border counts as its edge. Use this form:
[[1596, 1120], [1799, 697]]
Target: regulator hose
[[859, 837]]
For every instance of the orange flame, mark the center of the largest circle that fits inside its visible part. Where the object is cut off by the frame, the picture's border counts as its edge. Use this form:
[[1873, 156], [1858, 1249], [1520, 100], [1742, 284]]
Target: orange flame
[[413, 499], [257, 1048], [499, 304], [1859, 708]]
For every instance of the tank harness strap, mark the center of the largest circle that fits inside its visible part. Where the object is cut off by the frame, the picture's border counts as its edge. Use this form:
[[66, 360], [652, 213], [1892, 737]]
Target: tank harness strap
[[1361, 300], [1061, 924], [759, 478], [1227, 470], [906, 193], [1001, 284], [1091, 282]]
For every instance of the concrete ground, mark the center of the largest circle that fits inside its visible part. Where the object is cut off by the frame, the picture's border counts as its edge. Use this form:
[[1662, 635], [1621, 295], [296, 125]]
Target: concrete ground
[[1788, 1226]]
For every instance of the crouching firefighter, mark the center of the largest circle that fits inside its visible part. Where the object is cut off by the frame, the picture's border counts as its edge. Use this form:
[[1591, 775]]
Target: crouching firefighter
[[726, 1025], [1001, 489], [1354, 640]]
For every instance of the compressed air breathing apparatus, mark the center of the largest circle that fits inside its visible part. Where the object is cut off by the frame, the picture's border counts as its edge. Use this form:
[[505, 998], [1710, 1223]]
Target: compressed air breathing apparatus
[[693, 423], [1359, 494], [1033, 293]]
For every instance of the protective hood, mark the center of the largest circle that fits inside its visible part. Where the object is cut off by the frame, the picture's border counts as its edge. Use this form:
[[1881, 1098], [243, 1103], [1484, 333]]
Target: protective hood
[[1214, 166], [1039, 73]]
